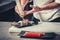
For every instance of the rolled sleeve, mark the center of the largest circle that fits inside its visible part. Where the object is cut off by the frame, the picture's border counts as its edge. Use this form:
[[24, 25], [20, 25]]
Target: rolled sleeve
[[57, 1]]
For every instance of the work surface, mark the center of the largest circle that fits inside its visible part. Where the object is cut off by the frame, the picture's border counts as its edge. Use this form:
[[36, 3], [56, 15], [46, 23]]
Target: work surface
[[41, 27], [44, 27]]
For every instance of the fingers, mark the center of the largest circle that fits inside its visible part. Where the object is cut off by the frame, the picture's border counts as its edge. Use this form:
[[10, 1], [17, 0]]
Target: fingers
[[32, 6], [25, 12], [25, 21]]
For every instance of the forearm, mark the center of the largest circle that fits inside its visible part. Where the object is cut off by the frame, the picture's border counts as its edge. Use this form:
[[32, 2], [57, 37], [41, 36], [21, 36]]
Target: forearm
[[50, 6], [23, 3]]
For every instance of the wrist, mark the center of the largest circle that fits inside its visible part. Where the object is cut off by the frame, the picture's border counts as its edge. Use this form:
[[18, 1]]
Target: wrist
[[30, 12], [43, 7]]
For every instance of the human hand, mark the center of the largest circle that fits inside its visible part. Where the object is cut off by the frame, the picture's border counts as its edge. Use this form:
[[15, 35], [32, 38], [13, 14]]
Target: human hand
[[25, 12], [24, 21], [35, 8]]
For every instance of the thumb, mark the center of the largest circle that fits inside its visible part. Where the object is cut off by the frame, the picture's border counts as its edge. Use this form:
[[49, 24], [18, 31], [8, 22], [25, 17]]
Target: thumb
[[31, 6]]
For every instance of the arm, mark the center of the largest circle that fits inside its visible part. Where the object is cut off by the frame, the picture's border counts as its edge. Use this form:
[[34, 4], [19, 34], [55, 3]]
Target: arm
[[20, 9], [23, 3], [44, 7], [50, 6]]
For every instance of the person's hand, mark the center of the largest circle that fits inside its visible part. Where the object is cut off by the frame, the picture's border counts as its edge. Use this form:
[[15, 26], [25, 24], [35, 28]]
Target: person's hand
[[17, 11], [24, 21], [35, 8]]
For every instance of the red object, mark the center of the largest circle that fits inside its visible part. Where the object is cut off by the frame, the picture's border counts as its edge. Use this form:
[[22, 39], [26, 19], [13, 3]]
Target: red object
[[33, 34]]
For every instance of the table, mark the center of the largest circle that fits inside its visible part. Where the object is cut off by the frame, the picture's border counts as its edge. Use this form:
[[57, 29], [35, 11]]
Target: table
[[50, 27], [42, 27]]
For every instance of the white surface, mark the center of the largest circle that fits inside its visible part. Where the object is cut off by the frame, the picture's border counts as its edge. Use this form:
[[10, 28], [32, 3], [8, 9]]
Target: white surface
[[41, 27]]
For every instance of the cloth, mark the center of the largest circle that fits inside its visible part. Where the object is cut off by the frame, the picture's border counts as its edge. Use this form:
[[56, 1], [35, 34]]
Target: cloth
[[46, 15]]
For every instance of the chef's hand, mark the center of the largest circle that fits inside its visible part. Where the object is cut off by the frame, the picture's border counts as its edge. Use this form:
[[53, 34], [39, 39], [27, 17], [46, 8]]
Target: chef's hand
[[17, 11], [34, 9]]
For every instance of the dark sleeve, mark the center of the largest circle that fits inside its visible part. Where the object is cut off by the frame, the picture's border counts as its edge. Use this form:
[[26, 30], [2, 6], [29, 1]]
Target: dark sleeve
[[27, 7]]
